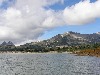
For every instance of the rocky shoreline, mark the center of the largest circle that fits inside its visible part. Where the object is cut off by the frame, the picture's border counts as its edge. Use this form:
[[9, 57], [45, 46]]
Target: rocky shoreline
[[88, 52]]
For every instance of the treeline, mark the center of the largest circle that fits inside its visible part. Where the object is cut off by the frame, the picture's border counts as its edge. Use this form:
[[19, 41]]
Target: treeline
[[37, 48]]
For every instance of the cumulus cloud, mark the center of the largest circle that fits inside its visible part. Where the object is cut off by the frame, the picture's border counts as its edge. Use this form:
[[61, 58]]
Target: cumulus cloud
[[82, 12], [28, 19], [1, 1]]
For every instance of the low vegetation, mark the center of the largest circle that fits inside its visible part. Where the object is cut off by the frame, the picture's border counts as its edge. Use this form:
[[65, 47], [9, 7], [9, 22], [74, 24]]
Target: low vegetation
[[89, 49]]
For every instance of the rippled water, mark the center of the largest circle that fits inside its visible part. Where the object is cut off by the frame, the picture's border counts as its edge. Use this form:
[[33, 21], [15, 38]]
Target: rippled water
[[48, 64]]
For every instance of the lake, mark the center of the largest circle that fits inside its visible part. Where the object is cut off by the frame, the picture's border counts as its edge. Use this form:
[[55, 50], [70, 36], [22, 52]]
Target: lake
[[48, 64]]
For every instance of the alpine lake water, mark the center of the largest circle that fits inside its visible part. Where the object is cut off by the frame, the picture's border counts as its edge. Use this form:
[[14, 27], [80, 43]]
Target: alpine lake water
[[48, 64]]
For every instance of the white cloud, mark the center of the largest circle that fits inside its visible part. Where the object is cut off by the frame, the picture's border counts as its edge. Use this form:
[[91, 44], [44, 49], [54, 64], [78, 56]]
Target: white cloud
[[82, 12], [28, 19], [1, 1]]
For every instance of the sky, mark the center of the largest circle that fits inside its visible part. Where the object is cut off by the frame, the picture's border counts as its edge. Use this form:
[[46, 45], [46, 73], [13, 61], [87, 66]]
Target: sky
[[23, 21]]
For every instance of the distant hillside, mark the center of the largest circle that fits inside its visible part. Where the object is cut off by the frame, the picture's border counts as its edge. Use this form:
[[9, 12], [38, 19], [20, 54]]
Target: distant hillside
[[68, 41], [7, 44], [70, 38]]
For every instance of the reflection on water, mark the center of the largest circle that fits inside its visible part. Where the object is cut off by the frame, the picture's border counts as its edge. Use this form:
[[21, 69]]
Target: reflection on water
[[48, 64]]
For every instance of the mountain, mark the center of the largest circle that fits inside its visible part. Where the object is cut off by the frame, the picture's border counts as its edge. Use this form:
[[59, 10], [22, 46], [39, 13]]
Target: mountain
[[10, 44], [4, 44], [70, 39], [7, 44], [66, 40]]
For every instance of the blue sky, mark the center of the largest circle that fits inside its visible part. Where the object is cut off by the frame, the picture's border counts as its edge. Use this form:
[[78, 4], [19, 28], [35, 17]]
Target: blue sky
[[58, 6], [84, 29], [6, 3], [89, 28]]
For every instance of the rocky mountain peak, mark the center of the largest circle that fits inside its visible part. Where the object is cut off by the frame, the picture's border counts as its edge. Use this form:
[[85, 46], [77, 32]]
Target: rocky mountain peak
[[10, 43], [7, 44], [4, 44]]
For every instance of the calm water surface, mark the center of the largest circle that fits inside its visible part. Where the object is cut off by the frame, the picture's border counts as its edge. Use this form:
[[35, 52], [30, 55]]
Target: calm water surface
[[48, 64]]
